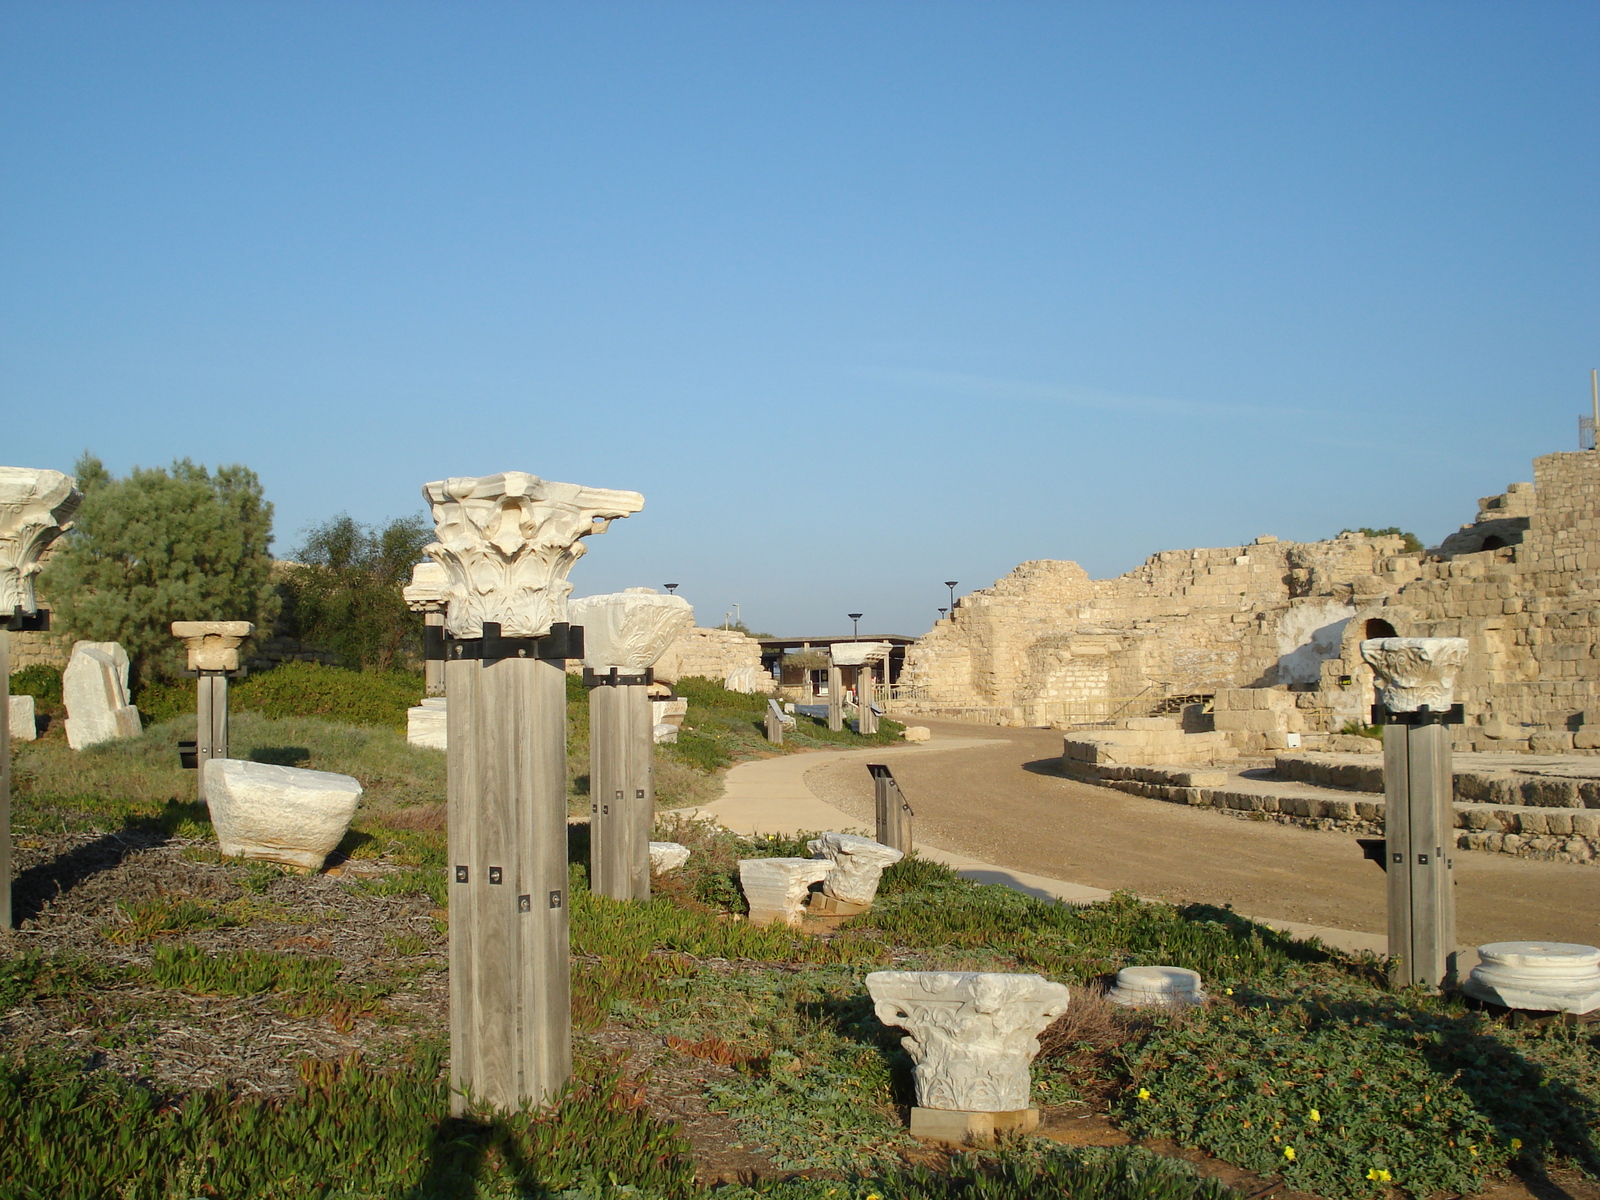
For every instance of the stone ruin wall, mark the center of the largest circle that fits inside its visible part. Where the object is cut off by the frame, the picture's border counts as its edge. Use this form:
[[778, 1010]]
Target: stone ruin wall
[[1046, 645], [712, 653]]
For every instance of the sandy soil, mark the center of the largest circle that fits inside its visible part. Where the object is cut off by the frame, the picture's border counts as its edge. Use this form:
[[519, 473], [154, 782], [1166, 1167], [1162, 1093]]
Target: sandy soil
[[1006, 803]]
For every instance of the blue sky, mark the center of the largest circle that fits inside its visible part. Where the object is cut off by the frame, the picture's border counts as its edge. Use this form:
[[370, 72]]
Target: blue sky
[[861, 296]]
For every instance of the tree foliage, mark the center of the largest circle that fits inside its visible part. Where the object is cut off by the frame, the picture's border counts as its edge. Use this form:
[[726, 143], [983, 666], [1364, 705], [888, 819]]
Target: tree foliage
[[344, 591], [162, 545]]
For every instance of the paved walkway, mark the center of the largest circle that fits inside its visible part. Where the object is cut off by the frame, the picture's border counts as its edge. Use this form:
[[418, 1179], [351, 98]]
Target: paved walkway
[[770, 796]]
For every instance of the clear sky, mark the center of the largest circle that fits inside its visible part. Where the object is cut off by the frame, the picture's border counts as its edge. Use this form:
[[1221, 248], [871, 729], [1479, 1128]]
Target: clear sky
[[861, 296]]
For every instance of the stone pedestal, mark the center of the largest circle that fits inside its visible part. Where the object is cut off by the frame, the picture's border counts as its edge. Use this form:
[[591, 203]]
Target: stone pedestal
[[624, 634], [95, 688], [36, 507], [776, 888], [1162, 987], [427, 724], [24, 726], [970, 1128], [858, 864], [1415, 678], [278, 814], [972, 1034], [507, 543], [213, 653], [425, 594], [1541, 976]]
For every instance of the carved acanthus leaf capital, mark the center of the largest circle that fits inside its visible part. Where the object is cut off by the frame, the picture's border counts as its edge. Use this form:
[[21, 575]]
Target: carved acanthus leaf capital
[[36, 507], [508, 541], [973, 1034], [1414, 673], [629, 630]]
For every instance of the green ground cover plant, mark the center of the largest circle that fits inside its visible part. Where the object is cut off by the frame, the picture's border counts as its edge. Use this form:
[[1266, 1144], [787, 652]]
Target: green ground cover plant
[[42, 682]]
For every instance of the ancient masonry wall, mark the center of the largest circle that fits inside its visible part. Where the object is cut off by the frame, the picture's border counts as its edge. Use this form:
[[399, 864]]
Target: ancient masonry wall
[[1046, 645], [711, 653]]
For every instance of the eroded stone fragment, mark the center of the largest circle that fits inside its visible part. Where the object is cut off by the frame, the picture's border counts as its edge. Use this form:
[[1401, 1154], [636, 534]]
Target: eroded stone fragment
[[212, 645], [667, 856], [1167, 987], [95, 688], [1415, 673], [858, 864], [972, 1034], [36, 507], [426, 724], [24, 723], [776, 888], [1545, 976], [629, 630], [280, 814]]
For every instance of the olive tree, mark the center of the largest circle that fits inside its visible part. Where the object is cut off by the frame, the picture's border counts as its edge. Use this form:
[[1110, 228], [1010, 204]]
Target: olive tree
[[162, 545]]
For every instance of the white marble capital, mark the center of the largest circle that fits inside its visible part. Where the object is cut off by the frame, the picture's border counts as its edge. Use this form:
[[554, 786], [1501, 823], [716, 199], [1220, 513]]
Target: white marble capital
[[212, 645], [508, 541], [36, 507], [1543, 976], [1415, 672], [973, 1034], [427, 591], [858, 864], [629, 630], [775, 888], [1165, 987], [857, 654]]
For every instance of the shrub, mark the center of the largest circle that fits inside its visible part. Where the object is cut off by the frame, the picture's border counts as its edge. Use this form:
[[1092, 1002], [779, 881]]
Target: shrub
[[40, 681], [334, 693]]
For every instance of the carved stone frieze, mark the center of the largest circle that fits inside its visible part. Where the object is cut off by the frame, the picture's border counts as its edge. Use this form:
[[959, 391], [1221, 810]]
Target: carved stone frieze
[[973, 1034], [36, 506], [508, 541], [1413, 673], [629, 630]]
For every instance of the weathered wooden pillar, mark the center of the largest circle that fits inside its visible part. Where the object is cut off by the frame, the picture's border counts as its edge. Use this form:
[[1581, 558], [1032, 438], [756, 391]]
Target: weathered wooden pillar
[[835, 698], [507, 543], [213, 649], [774, 723], [625, 633], [425, 595], [893, 813], [866, 696], [36, 507], [1415, 681]]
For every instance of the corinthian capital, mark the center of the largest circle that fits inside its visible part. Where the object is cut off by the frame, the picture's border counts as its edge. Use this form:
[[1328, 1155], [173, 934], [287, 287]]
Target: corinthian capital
[[629, 630], [973, 1034], [36, 507], [1415, 672], [508, 541]]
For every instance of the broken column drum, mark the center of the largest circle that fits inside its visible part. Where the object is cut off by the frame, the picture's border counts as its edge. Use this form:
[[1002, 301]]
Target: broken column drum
[[625, 633], [1415, 681], [425, 594], [36, 507], [507, 543], [213, 654]]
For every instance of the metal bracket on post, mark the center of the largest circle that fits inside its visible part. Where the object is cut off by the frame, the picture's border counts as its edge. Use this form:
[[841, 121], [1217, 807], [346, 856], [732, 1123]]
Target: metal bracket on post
[[433, 644], [1454, 715], [613, 678], [26, 622], [563, 641]]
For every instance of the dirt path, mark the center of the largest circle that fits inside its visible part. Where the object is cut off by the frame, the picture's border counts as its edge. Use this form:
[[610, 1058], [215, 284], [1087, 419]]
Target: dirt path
[[1004, 802]]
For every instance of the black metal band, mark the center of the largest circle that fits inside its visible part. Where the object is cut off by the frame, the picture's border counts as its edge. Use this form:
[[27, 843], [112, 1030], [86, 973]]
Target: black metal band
[[562, 642], [26, 622], [1454, 715], [433, 640], [614, 678]]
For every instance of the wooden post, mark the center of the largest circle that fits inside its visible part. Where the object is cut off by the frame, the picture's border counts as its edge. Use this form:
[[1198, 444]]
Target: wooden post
[[893, 813], [774, 723], [5, 779], [835, 699], [866, 695], [622, 790], [505, 545], [211, 722], [510, 1007], [1419, 837], [433, 668], [1415, 678]]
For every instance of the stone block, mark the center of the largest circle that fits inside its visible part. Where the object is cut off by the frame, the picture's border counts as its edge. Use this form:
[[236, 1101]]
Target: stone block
[[24, 725], [1586, 737], [969, 1128], [667, 856], [1153, 723], [1586, 824], [665, 734], [916, 733], [1551, 742], [95, 688], [426, 724], [775, 888], [858, 863], [280, 814]]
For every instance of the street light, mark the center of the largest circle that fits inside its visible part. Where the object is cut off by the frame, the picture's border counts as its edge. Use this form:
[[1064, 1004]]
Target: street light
[[671, 588], [737, 618], [855, 630], [951, 584], [942, 612]]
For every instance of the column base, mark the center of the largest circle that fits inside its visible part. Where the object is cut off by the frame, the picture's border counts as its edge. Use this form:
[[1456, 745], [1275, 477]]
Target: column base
[[970, 1128]]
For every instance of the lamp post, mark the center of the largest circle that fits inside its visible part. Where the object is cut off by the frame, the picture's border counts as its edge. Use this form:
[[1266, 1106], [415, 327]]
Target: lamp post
[[671, 588], [942, 612], [855, 626], [738, 617], [951, 584]]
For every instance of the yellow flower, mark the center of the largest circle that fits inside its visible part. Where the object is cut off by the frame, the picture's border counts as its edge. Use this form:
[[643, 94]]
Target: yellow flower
[[1288, 1152], [1473, 1150], [874, 1196], [1379, 1175], [1144, 1093], [1227, 991], [1315, 1115], [1516, 1144]]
